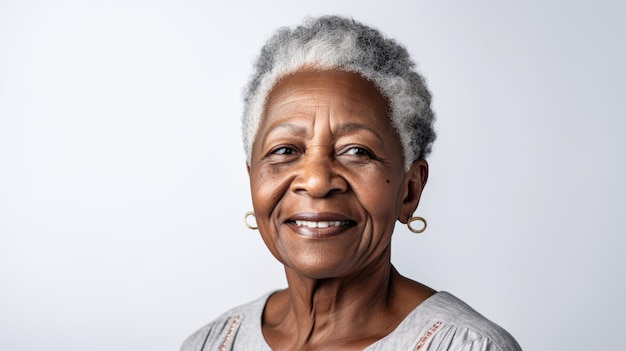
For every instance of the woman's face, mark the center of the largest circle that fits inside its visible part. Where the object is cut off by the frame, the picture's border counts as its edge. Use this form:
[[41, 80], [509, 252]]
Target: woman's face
[[327, 175]]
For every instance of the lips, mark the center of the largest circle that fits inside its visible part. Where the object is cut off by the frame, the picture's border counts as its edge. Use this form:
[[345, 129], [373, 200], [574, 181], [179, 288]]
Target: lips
[[319, 225]]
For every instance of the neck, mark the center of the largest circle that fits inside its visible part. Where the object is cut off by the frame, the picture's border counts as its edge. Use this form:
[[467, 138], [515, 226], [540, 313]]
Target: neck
[[353, 311], [342, 296]]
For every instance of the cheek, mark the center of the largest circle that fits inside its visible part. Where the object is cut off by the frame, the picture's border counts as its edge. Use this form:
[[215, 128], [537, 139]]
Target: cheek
[[267, 189], [384, 210], [380, 192]]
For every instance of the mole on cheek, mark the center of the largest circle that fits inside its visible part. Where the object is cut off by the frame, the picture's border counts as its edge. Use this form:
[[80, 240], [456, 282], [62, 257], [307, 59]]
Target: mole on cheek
[[387, 181]]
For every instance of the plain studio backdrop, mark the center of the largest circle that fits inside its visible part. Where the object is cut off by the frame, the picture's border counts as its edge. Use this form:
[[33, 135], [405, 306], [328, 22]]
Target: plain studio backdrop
[[123, 184]]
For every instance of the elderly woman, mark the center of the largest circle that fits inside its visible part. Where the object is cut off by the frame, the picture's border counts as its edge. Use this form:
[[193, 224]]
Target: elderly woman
[[336, 129]]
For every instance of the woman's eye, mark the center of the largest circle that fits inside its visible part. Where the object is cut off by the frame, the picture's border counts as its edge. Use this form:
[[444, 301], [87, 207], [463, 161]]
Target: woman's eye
[[359, 151], [280, 155], [283, 151]]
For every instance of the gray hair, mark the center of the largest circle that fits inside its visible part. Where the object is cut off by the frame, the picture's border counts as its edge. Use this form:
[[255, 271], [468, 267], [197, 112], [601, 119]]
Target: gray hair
[[332, 42]]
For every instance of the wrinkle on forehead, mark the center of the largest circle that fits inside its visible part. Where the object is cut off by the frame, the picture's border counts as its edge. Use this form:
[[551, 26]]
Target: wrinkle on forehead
[[360, 89], [342, 102]]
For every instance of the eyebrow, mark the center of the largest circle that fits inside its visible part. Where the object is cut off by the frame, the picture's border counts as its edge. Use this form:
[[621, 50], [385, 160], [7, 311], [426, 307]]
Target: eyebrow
[[342, 130], [351, 127], [296, 129]]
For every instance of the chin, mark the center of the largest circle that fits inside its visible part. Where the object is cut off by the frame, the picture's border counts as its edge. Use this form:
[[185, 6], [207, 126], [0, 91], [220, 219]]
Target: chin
[[319, 268]]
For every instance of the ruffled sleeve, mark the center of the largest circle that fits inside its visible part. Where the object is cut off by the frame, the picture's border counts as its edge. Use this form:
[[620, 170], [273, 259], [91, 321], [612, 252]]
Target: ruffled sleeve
[[463, 338], [221, 332]]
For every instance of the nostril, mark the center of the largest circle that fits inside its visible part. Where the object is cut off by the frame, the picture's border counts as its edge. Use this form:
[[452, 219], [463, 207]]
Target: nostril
[[319, 180]]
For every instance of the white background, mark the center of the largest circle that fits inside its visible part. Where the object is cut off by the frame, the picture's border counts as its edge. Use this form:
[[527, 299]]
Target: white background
[[123, 185]]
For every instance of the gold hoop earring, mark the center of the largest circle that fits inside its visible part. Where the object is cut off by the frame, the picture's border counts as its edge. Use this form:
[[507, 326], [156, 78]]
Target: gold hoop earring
[[413, 219], [245, 220]]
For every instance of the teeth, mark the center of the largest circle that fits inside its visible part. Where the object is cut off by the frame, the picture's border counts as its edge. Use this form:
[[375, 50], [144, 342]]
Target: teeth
[[321, 224]]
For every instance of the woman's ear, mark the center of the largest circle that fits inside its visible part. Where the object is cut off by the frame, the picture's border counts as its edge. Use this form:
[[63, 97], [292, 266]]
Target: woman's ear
[[414, 182]]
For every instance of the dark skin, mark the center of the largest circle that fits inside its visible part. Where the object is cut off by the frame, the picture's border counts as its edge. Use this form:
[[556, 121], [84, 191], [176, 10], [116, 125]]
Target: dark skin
[[328, 183]]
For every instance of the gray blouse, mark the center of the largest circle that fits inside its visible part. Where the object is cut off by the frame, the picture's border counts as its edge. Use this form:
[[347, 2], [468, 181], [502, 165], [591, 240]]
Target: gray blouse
[[441, 322]]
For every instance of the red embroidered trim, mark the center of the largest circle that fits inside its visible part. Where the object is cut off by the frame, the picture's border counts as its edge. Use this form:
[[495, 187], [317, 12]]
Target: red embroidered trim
[[230, 333], [428, 335]]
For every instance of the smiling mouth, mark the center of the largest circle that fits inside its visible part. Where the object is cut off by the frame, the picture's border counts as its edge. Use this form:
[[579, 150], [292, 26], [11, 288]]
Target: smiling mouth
[[321, 224]]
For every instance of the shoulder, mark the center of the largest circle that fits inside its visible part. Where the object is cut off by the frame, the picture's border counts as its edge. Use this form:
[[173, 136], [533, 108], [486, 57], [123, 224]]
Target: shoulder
[[223, 329], [454, 325]]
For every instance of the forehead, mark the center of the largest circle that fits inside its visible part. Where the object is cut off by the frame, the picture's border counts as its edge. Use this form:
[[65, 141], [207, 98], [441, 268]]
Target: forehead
[[340, 93]]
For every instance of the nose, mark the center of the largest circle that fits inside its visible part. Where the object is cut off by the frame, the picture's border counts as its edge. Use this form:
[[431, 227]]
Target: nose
[[318, 175]]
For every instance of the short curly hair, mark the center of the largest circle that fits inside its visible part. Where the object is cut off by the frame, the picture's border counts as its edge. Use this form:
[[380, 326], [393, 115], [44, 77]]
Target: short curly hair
[[333, 42]]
